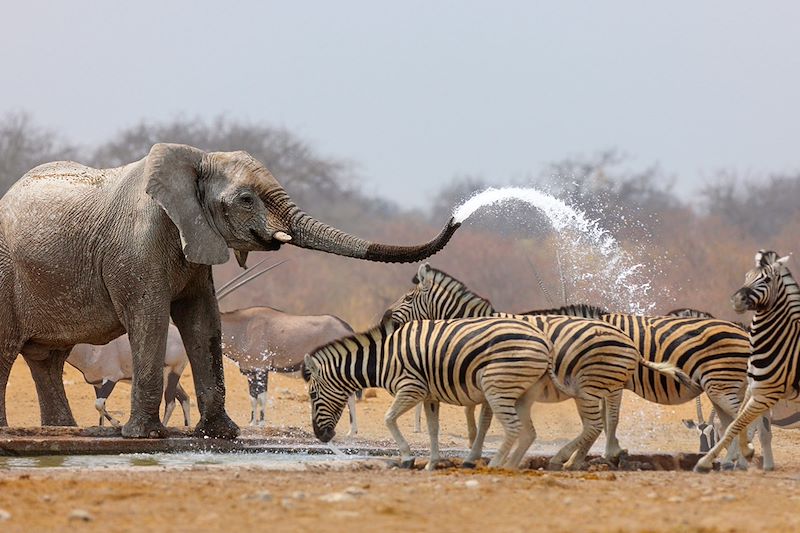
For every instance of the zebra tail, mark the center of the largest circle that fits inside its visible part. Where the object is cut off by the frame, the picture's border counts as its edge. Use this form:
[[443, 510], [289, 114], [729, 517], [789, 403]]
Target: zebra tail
[[560, 386], [672, 371]]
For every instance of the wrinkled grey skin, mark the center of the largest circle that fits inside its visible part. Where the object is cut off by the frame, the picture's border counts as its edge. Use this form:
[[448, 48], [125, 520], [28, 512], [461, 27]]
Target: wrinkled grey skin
[[88, 254], [104, 366], [263, 339]]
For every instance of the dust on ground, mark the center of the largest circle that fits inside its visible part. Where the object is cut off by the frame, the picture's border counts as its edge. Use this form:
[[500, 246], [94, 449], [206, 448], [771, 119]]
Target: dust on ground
[[373, 496]]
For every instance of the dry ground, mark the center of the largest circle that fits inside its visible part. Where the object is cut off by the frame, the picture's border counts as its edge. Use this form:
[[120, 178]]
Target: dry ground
[[327, 498]]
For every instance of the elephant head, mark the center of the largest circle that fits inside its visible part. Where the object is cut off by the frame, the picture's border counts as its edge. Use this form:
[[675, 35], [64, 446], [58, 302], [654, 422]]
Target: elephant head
[[221, 200]]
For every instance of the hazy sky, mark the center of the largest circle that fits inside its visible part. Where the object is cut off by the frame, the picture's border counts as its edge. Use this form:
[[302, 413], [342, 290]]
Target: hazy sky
[[417, 92]]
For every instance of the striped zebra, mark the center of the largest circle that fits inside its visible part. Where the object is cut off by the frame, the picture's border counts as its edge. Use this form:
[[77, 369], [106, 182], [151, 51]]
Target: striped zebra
[[592, 361], [774, 366], [712, 353], [710, 432], [494, 361]]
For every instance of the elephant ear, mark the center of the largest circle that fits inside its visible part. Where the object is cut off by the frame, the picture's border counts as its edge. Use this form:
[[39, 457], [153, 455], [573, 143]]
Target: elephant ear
[[172, 175]]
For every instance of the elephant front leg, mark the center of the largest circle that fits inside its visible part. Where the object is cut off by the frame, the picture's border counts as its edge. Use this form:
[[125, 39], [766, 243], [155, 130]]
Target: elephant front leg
[[6, 362], [48, 374], [197, 317], [147, 332]]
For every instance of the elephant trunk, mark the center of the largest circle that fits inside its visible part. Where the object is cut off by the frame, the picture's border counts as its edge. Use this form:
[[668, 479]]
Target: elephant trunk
[[308, 232]]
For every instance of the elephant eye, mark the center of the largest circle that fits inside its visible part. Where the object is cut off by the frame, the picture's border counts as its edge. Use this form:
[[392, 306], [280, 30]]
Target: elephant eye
[[246, 200]]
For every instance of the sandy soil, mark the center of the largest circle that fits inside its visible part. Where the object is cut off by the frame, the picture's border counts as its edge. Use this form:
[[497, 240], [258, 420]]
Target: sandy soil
[[374, 497]]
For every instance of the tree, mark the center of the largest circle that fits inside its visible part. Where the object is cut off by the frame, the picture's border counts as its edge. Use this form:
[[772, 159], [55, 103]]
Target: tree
[[23, 145]]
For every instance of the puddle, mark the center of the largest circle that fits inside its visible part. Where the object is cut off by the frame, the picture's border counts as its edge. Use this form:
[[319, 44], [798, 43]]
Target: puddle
[[173, 460]]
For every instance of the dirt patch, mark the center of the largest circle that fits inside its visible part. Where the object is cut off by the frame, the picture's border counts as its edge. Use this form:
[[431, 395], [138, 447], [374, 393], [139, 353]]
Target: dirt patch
[[373, 495]]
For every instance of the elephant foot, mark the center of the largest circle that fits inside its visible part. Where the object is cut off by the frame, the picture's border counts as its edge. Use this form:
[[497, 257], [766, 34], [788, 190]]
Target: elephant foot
[[58, 419], [144, 428], [219, 426]]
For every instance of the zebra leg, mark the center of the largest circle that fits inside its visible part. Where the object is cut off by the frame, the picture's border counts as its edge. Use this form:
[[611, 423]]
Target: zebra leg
[[505, 412], [404, 400], [572, 455], [183, 398], [103, 392], [765, 439], [432, 418], [351, 408], [418, 419], [472, 429], [610, 412], [732, 457], [755, 406], [480, 436], [527, 433]]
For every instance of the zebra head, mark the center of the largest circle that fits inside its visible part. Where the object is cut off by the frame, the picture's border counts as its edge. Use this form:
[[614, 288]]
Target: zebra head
[[327, 400], [761, 283], [416, 303]]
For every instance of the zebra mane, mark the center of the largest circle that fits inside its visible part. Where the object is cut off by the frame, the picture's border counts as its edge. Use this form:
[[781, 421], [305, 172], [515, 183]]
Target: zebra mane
[[440, 275], [379, 331], [581, 310]]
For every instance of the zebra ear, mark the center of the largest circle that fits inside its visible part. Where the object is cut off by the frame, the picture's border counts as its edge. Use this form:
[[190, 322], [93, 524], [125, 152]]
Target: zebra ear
[[311, 367], [425, 276], [783, 260]]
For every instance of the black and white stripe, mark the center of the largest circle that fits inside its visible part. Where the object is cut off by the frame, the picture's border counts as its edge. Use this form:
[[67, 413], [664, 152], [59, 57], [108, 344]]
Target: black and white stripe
[[592, 361], [493, 361], [774, 366], [709, 355]]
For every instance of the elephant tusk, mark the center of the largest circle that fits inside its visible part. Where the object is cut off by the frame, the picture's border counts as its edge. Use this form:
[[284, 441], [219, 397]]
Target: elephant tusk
[[241, 258], [282, 236]]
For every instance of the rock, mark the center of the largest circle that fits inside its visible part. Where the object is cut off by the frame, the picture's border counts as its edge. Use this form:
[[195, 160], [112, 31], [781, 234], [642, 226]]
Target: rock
[[337, 497], [472, 484], [299, 495], [81, 515], [355, 491], [263, 495], [4, 515]]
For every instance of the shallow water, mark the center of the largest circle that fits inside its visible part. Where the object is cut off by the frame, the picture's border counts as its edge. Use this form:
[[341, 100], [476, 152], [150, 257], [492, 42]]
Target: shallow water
[[174, 460]]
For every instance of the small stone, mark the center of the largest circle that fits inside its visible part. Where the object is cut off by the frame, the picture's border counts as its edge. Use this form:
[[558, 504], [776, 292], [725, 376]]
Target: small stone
[[472, 484], [675, 499], [80, 514], [288, 504], [336, 497], [4, 515], [355, 491], [264, 496], [652, 495], [727, 498], [299, 495]]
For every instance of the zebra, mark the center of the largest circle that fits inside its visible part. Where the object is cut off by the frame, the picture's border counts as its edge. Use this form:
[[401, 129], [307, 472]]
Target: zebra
[[710, 431], [774, 367], [491, 361], [592, 361], [712, 353]]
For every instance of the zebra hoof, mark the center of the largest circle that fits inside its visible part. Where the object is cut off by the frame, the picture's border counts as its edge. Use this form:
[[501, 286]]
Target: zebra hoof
[[469, 465], [741, 466], [727, 467], [701, 469], [407, 464]]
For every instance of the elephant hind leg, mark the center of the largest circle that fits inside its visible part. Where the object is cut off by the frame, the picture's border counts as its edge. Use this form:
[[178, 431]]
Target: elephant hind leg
[[47, 374]]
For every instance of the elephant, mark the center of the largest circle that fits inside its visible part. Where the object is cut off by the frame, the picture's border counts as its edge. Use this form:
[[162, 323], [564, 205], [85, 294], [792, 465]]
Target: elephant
[[88, 254], [105, 366], [263, 339]]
